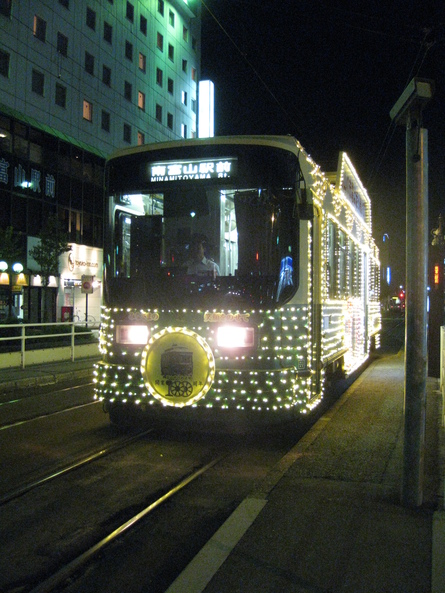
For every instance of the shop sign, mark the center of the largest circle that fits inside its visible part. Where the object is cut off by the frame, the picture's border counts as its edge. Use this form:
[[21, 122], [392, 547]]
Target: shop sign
[[32, 180]]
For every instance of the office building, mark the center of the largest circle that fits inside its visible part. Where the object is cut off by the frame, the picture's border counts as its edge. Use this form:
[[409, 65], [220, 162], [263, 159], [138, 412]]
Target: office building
[[78, 79]]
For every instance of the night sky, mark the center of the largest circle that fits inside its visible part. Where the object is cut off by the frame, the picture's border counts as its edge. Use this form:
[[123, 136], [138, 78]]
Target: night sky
[[329, 72]]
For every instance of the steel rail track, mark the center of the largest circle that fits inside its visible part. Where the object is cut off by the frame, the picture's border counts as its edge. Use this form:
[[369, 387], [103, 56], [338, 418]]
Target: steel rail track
[[61, 576], [17, 493]]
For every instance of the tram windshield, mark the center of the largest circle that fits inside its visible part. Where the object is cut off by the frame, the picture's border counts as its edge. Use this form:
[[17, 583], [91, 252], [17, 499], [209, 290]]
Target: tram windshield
[[208, 244]]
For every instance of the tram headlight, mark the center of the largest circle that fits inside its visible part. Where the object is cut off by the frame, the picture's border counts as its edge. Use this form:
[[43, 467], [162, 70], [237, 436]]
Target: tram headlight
[[235, 336], [131, 334]]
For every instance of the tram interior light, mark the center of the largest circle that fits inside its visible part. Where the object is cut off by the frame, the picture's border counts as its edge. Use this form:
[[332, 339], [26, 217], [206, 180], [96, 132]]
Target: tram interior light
[[230, 336], [131, 334]]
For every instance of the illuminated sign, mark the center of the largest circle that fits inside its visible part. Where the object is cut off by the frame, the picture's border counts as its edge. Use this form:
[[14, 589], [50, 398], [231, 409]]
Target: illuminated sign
[[192, 170]]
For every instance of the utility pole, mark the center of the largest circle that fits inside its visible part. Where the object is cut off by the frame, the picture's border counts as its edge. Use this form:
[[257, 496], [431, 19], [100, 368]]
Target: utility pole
[[408, 112]]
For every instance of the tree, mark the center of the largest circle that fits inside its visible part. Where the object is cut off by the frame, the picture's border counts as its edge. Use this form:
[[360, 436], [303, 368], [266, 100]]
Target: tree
[[53, 242]]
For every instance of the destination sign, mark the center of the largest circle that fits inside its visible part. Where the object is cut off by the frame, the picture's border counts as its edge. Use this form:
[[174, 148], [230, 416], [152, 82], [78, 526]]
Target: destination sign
[[221, 168]]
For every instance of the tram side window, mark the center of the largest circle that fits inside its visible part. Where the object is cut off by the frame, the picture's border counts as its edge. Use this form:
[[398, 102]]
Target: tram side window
[[354, 272], [332, 261], [342, 263], [123, 245]]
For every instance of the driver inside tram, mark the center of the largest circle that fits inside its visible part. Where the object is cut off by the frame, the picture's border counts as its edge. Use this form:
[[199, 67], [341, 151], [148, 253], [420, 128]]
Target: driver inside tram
[[199, 264]]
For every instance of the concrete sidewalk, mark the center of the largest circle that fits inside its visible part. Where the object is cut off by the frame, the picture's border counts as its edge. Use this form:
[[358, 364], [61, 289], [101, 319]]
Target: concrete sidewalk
[[14, 378], [328, 519]]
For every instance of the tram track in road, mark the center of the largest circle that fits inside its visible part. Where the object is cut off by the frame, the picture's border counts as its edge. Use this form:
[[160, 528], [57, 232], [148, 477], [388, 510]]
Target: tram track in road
[[60, 577], [32, 403], [77, 464], [191, 481]]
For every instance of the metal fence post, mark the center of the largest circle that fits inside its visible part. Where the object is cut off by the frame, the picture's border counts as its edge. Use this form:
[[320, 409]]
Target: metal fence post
[[22, 346]]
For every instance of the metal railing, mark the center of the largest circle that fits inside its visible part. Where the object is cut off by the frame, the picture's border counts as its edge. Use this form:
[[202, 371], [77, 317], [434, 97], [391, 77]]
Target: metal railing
[[41, 337]]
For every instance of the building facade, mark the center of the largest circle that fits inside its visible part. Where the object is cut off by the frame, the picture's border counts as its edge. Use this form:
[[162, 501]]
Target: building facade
[[78, 79]]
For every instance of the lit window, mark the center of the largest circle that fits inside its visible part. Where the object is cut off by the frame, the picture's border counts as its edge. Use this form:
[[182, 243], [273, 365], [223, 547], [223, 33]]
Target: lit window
[[142, 62], [184, 130], [141, 138], [194, 74], [39, 28], [141, 100], [87, 110], [184, 97]]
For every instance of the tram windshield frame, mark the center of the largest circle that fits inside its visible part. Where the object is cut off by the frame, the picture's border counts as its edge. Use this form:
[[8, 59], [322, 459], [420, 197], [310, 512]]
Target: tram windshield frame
[[237, 201]]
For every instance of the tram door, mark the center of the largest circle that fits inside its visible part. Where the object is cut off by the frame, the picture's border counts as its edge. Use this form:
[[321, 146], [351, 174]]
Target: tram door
[[316, 297]]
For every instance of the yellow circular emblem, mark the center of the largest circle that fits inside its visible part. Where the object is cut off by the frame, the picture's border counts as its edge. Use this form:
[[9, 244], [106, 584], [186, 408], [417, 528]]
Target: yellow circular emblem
[[178, 366]]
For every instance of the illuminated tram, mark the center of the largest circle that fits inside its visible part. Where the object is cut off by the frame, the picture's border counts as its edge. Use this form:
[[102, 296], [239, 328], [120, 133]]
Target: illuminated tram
[[285, 295]]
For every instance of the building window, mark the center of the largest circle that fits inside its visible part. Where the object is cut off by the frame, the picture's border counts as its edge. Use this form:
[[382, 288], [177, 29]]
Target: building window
[[141, 138], [142, 62], [91, 18], [87, 110], [159, 113], [105, 121], [170, 120], [170, 86], [161, 7], [89, 63], [184, 65], [5, 7], [37, 82], [4, 63], [159, 77], [129, 51], [184, 130], [185, 34], [62, 44], [130, 12], [106, 75], [171, 18], [128, 90], [194, 74], [108, 32], [141, 100], [171, 52], [160, 41], [193, 105], [39, 28], [60, 98], [184, 97], [127, 133], [143, 25]]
